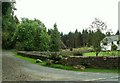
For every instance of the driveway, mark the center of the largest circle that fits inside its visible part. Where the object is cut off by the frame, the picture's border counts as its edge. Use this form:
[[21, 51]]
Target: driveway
[[15, 69]]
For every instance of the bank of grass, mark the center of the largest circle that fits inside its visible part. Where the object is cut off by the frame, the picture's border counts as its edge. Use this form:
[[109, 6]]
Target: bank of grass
[[59, 66]]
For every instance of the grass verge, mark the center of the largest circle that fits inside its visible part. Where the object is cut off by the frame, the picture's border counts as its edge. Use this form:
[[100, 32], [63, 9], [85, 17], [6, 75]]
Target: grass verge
[[59, 66]]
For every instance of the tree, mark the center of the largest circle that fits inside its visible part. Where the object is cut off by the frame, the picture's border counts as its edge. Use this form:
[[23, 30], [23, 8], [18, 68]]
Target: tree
[[24, 34], [76, 38], [55, 39], [9, 23], [44, 40], [98, 26], [71, 40], [98, 36], [80, 40], [85, 37], [31, 35]]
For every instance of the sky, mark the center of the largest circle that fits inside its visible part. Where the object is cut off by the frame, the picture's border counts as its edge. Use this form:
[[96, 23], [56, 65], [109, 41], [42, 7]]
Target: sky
[[69, 15]]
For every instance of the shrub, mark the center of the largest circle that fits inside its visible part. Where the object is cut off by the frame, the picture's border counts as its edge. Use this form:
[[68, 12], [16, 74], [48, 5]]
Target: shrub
[[49, 62], [55, 57], [78, 54], [114, 47]]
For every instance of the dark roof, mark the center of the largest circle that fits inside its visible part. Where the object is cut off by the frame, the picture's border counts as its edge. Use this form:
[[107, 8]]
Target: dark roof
[[112, 38]]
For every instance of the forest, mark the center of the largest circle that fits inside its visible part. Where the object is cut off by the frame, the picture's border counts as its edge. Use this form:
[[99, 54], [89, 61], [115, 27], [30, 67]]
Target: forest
[[30, 35]]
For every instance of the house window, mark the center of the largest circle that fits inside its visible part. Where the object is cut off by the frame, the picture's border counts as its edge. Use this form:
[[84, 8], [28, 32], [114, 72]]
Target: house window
[[105, 43], [112, 43], [118, 42]]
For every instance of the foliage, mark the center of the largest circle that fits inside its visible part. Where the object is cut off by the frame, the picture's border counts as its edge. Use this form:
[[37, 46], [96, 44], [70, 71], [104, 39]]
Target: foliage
[[8, 25], [111, 53], [78, 53], [84, 39], [31, 35], [114, 47], [44, 40], [49, 62], [55, 39], [24, 34], [55, 57]]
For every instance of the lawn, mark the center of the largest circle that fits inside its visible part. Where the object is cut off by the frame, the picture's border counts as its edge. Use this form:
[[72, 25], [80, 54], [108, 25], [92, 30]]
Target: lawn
[[68, 67], [88, 51], [111, 53]]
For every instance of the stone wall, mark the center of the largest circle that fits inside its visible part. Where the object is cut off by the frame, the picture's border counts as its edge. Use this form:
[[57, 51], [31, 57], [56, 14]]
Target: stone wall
[[94, 62], [33, 55]]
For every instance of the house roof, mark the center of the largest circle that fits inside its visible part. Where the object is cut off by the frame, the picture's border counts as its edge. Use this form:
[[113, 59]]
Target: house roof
[[112, 38]]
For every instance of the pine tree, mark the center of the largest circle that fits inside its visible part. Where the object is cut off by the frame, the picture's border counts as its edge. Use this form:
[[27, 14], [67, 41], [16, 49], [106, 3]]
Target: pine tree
[[55, 39]]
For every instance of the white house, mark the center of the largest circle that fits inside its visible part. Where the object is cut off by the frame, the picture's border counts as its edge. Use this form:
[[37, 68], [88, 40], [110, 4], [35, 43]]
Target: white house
[[108, 41]]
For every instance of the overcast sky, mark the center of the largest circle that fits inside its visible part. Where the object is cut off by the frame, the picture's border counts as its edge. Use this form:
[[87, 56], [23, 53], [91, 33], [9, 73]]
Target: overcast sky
[[69, 14]]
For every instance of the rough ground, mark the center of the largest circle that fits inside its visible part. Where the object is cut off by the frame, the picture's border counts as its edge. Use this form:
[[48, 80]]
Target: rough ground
[[15, 69]]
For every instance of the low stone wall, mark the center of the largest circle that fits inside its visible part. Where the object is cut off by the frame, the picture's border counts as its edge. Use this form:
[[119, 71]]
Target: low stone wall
[[33, 55], [94, 62]]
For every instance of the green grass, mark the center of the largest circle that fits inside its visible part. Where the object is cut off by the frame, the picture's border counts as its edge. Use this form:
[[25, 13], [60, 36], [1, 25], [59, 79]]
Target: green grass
[[111, 53], [67, 52], [59, 66]]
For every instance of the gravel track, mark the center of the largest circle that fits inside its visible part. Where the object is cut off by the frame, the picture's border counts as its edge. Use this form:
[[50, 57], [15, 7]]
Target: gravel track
[[14, 69]]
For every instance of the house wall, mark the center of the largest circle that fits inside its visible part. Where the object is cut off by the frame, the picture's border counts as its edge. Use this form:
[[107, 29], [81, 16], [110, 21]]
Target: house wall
[[118, 47], [105, 47], [108, 46]]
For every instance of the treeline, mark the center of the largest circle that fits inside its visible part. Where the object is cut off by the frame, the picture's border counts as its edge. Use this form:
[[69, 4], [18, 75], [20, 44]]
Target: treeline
[[33, 35], [27, 34], [82, 39]]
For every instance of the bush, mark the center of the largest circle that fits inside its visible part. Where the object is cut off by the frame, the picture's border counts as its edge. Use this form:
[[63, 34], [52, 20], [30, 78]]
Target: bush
[[114, 47], [78, 54], [49, 62], [55, 57], [19, 46]]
